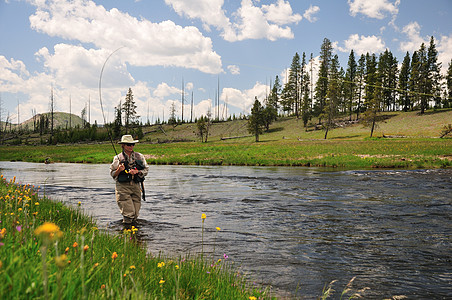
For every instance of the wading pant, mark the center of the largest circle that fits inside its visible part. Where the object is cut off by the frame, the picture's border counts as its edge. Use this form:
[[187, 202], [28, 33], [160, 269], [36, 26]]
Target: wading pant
[[128, 197]]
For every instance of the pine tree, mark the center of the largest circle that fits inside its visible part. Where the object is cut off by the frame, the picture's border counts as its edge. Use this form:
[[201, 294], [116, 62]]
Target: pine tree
[[448, 98], [321, 88], [333, 95], [350, 85], [273, 100], [414, 87], [130, 110], [404, 79], [434, 74], [290, 96], [256, 121], [370, 78], [118, 120], [360, 80]]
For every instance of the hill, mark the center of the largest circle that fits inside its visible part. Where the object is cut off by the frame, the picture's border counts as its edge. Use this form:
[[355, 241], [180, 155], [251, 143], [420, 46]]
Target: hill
[[60, 120], [393, 124]]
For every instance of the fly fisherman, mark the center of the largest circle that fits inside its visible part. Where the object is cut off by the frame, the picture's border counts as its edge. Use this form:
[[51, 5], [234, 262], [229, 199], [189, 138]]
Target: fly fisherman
[[129, 169]]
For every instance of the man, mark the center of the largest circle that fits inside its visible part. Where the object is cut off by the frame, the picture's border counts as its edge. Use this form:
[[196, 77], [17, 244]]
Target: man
[[129, 169]]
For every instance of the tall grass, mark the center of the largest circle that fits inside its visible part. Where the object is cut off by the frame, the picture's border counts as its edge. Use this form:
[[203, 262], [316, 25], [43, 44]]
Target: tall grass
[[50, 251]]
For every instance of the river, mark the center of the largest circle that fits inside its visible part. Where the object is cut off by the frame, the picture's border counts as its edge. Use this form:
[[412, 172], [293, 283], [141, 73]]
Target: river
[[295, 229]]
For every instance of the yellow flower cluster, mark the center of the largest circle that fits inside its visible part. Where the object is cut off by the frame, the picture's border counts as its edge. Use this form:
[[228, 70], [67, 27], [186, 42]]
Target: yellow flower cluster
[[49, 230]]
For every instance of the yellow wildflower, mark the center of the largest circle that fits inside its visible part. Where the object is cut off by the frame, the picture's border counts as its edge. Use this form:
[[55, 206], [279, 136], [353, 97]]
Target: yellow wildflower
[[75, 245], [161, 264], [49, 229], [252, 298], [85, 248], [2, 233], [114, 255], [161, 281], [132, 267], [203, 217], [37, 203], [218, 228]]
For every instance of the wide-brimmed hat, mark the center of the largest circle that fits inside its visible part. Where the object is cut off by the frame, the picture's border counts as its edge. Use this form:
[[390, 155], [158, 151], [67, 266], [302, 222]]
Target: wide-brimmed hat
[[127, 139]]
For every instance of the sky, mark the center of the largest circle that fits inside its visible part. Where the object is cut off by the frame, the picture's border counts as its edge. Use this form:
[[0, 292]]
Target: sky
[[163, 49]]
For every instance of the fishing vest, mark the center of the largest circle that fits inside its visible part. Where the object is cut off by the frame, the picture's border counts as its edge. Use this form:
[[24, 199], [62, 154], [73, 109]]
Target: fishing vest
[[132, 163]]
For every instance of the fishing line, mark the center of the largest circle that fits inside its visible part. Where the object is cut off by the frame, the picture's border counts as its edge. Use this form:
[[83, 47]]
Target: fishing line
[[100, 98]]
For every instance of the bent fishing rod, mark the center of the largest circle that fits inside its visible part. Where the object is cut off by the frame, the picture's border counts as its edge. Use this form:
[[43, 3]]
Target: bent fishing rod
[[103, 115], [100, 98]]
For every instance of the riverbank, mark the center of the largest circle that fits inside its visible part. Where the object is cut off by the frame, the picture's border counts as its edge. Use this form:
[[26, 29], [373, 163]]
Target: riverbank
[[401, 140], [364, 154], [49, 250]]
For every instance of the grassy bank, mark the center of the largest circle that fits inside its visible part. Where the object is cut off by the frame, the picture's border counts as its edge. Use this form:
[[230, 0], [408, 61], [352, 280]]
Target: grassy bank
[[50, 251], [378, 153], [413, 143]]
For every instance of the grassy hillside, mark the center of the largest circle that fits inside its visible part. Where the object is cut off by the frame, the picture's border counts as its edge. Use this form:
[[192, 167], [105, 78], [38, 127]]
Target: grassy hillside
[[60, 120], [400, 124]]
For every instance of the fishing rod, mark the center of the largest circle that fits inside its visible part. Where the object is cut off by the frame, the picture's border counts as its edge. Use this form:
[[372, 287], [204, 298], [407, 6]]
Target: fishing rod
[[103, 115], [100, 98]]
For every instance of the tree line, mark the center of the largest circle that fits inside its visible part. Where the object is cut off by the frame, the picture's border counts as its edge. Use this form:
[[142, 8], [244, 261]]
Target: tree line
[[368, 85]]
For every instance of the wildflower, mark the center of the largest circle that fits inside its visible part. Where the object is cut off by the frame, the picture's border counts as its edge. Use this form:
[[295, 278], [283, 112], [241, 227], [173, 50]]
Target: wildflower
[[218, 228], [79, 203], [96, 264], [203, 217], [85, 248], [102, 286], [60, 261], [177, 267], [219, 260], [252, 298], [132, 267], [66, 250], [161, 264], [2, 233], [161, 281], [20, 209], [114, 255], [225, 256], [35, 213], [37, 203], [19, 228], [75, 245], [49, 230]]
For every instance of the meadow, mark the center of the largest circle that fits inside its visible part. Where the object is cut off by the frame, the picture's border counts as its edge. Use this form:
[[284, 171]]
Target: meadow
[[401, 140], [51, 251]]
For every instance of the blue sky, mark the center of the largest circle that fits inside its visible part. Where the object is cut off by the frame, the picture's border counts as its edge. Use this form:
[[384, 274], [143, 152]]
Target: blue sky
[[242, 45]]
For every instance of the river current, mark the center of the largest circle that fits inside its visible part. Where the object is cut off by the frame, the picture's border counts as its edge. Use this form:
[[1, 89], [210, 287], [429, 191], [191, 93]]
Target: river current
[[295, 229]]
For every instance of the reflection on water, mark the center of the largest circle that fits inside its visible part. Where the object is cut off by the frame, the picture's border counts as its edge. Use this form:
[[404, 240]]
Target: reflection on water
[[288, 227]]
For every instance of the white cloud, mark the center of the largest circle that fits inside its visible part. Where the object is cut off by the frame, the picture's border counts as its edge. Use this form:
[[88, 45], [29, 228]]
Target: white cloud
[[363, 44], [146, 43], [444, 47], [310, 12], [249, 21], [373, 8], [235, 70], [412, 30], [164, 90], [244, 99]]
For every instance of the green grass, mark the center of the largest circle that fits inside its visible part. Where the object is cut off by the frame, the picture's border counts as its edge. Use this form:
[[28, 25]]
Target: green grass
[[87, 263], [286, 144]]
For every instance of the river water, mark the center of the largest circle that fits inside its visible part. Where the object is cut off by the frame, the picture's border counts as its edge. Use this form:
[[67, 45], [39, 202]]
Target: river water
[[295, 229]]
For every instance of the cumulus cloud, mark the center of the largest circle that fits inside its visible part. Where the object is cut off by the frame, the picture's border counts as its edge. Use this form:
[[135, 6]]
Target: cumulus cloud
[[146, 43], [376, 9], [235, 70], [445, 51], [248, 22], [363, 44], [413, 33], [244, 99], [310, 12]]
